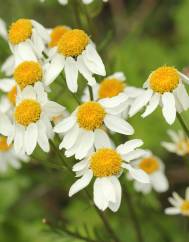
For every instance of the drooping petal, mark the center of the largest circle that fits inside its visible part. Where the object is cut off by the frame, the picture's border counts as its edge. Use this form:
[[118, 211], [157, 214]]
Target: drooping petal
[[169, 108], [81, 183], [154, 101], [71, 72], [159, 182], [65, 125], [129, 146], [114, 206], [42, 139], [102, 139], [30, 138]]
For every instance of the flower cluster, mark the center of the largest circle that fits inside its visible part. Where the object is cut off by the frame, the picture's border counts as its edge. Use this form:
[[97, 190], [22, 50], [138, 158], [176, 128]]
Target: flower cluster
[[28, 117]]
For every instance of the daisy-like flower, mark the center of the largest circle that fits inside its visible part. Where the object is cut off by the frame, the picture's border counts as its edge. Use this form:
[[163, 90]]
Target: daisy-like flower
[[85, 127], [155, 168], [8, 157], [165, 88], [180, 205], [106, 165], [27, 39], [31, 120], [179, 144], [112, 86], [75, 53]]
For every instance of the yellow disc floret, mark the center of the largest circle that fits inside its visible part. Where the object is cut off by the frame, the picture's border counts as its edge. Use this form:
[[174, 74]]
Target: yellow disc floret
[[73, 42], [56, 34], [149, 165], [3, 144], [12, 95], [105, 162], [27, 112], [164, 79], [185, 207], [110, 88], [20, 31], [27, 73], [90, 115]]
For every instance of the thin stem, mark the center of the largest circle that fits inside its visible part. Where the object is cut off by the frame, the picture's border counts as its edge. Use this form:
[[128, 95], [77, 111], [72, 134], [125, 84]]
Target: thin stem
[[133, 215], [58, 153], [104, 219], [75, 6], [91, 93], [182, 123]]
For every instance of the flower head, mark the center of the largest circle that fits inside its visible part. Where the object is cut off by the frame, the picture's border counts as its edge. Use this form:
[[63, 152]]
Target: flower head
[[165, 88], [180, 205], [106, 165]]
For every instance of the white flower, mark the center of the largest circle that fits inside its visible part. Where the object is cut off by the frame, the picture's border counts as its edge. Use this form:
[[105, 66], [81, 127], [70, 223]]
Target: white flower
[[112, 86], [165, 88], [75, 53], [179, 144], [84, 128], [27, 39], [155, 168], [8, 157], [106, 165], [180, 205], [31, 120]]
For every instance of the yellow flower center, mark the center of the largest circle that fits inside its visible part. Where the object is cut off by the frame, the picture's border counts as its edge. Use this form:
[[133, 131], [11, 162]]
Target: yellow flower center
[[27, 73], [164, 79], [185, 207], [12, 95], [149, 165], [27, 112], [3, 144], [73, 42], [56, 34], [20, 31], [105, 162], [110, 88], [90, 115]]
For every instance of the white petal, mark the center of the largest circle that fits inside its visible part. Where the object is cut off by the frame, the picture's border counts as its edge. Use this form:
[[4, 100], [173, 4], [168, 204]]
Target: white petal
[[99, 198], [3, 29], [86, 143], [42, 139], [70, 138], [28, 93], [129, 146], [71, 72], [117, 189], [81, 183], [154, 101], [169, 146], [24, 51], [80, 165], [6, 127], [102, 139], [54, 69], [172, 211], [169, 109], [133, 155], [140, 102], [114, 101], [41, 31], [118, 125], [159, 182], [30, 138], [53, 109], [93, 61], [187, 193], [8, 65], [19, 139], [7, 84], [137, 174], [182, 96], [85, 72], [65, 125]]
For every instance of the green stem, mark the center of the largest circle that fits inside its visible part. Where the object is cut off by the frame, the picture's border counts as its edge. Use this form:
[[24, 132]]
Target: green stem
[[58, 153], [75, 6], [91, 93], [133, 215], [182, 123]]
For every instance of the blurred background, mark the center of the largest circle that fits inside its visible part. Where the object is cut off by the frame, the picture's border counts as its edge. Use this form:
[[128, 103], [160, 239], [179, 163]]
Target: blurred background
[[133, 36]]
